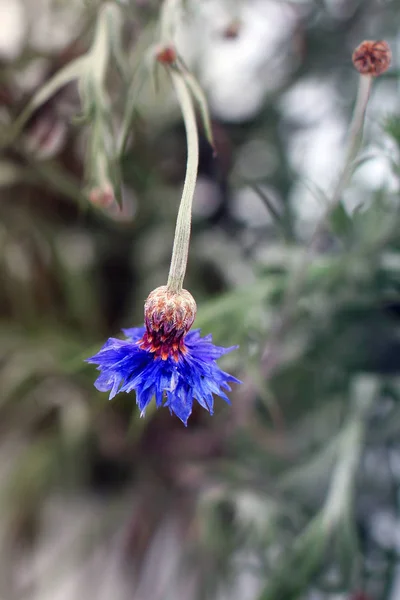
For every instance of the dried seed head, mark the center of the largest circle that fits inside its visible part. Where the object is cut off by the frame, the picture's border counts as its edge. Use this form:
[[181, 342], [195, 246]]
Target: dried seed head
[[166, 55], [168, 317], [372, 58]]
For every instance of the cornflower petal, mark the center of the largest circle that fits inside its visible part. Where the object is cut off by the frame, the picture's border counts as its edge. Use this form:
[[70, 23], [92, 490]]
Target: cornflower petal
[[175, 381]]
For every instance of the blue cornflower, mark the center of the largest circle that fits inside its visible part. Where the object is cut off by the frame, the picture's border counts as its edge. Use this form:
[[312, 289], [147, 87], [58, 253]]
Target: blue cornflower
[[163, 360]]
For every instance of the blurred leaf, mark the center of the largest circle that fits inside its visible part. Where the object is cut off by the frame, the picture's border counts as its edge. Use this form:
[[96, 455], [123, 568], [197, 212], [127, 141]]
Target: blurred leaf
[[70, 72], [340, 222]]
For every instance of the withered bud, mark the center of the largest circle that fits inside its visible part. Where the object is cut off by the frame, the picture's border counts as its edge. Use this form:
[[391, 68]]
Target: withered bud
[[168, 317], [103, 197], [372, 58], [166, 55], [231, 31]]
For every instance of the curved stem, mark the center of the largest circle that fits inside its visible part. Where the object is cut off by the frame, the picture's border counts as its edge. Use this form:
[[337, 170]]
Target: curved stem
[[183, 223]]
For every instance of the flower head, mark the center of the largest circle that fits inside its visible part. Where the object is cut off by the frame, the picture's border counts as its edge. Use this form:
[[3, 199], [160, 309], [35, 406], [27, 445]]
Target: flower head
[[372, 57], [164, 360]]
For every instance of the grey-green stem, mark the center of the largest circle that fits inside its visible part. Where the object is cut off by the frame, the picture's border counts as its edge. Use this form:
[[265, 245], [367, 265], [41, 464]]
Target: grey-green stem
[[295, 285], [180, 249], [354, 138]]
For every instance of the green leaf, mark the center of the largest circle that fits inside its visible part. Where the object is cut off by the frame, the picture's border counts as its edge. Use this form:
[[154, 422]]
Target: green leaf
[[340, 222]]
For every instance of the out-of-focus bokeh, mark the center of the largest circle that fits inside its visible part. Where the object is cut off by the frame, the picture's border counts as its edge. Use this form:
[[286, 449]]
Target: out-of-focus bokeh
[[293, 491]]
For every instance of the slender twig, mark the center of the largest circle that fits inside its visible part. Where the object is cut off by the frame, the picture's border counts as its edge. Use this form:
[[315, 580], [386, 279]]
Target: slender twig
[[297, 282], [355, 137], [271, 355]]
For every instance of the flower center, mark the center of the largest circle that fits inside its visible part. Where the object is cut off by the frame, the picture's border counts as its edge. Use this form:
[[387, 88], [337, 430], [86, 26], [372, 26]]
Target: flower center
[[164, 344]]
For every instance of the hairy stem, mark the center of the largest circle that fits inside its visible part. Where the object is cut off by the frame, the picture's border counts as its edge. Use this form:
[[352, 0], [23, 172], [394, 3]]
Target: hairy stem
[[354, 139], [271, 355], [353, 145]]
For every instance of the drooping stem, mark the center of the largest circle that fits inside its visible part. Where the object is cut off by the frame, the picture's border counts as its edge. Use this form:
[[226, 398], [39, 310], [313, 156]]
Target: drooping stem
[[183, 223]]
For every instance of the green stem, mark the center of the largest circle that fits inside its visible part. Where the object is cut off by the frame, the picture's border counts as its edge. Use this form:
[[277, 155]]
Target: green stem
[[168, 20], [354, 139], [99, 51], [183, 223], [296, 284]]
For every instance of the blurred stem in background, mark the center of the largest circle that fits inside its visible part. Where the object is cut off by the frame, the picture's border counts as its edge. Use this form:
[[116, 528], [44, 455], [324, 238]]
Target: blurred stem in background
[[297, 279], [311, 547]]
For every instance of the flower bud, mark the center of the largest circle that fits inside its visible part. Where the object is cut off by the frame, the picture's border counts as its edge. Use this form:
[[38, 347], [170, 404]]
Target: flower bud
[[102, 196], [168, 317], [166, 55], [372, 58]]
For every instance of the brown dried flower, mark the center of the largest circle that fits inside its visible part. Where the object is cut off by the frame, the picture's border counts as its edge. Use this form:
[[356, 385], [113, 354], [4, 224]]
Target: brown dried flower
[[372, 58]]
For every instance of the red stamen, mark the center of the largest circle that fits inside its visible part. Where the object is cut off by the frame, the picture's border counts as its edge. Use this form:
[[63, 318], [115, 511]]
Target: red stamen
[[163, 346]]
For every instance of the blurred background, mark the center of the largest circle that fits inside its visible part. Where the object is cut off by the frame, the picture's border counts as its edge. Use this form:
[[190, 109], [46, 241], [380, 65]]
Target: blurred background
[[293, 491]]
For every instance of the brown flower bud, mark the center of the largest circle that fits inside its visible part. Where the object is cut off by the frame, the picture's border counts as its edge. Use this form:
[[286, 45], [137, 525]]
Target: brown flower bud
[[372, 58], [168, 317], [166, 55]]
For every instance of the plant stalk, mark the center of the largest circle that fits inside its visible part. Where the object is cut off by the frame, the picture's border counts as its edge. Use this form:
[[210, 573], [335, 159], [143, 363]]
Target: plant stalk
[[183, 223]]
